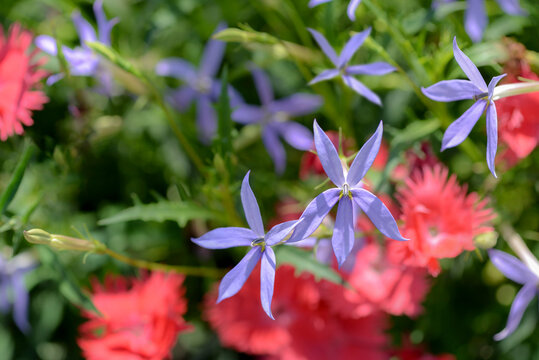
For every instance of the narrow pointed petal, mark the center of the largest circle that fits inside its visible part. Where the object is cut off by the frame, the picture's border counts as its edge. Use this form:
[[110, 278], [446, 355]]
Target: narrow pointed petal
[[324, 45], [84, 29], [263, 85], [279, 232], [492, 137], [314, 3], [227, 237], [361, 89], [250, 207], [343, 232], [275, 148], [206, 119], [177, 68], [54, 78], [451, 90], [233, 281], [468, 66], [377, 213], [511, 7], [351, 10], [460, 128], [297, 104], [314, 213], [328, 156], [492, 84], [352, 46], [248, 114], [267, 279], [511, 267], [297, 135], [365, 157], [376, 68], [475, 20], [523, 298], [213, 55], [324, 75], [20, 303], [104, 26], [46, 44]]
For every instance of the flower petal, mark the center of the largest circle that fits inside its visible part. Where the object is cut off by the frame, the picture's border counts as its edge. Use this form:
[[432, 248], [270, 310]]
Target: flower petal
[[297, 135], [492, 84], [492, 137], [84, 29], [314, 3], [328, 155], [324, 45], [351, 10], [376, 68], [352, 46], [361, 89], [279, 232], [365, 157], [250, 207], [20, 303], [47, 44], [274, 147], [213, 55], [523, 298], [475, 20], [511, 267], [324, 75], [263, 85], [343, 232], [233, 281], [248, 114], [314, 213], [468, 66], [226, 237], [104, 26], [267, 279], [297, 104], [511, 7], [451, 90], [181, 98], [460, 128], [177, 68], [206, 119], [377, 213]]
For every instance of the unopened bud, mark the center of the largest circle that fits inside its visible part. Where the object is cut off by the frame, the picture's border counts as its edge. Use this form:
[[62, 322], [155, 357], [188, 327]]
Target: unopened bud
[[60, 242], [37, 236], [487, 240]]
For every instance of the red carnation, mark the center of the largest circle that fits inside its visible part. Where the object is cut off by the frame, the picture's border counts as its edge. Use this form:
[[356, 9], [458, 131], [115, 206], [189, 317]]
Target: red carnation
[[141, 318]]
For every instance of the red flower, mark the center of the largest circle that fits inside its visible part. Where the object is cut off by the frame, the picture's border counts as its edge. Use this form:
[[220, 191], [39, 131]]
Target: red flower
[[141, 318], [305, 327], [18, 75], [440, 220]]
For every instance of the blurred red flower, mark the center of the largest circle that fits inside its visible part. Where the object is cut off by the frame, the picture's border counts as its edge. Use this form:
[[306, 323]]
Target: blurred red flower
[[408, 351], [141, 318], [440, 219], [19, 74], [305, 327]]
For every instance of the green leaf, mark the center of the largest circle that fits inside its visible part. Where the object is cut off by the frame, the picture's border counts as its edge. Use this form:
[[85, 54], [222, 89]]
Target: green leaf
[[16, 178], [414, 132], [181, 212], [304, 261]]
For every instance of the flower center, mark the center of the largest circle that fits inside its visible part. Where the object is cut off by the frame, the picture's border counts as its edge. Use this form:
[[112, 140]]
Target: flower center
[[480, 96], [203, 84], [259, 242], [346, 190]]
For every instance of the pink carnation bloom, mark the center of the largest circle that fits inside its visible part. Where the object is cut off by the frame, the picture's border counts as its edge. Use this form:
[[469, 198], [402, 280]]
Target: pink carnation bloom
[[440, 219], [305, 326], [141, 318], [19, 74]]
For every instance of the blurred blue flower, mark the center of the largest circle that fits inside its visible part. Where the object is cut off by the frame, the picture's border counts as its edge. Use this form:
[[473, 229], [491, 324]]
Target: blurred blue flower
[[351, 10], [349, 189], [260, 243], [82, 60], [476, 19], [13, 292], [274, 116], [200, 85], [476, 89], [344, 70], [517, 271]]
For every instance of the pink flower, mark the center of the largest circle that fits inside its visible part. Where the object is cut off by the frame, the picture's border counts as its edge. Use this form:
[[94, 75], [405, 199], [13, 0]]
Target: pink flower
[[440, 219], [141, 318], [19, 74]]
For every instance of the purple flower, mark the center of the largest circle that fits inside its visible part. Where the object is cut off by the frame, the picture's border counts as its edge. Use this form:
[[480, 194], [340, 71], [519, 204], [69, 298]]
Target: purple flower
[[343, 70], [273, 116], [476, 16], [476, 89], [200, 85], [351, 11], [349, 189], [515, 270], [260, 243], [13, 292], [81, 60]]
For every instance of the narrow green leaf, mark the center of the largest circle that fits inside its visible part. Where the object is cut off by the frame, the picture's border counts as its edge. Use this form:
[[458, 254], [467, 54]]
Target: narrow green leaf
[[304, 261], [414, 132], [13, 185], [181, 212], [115, 58]]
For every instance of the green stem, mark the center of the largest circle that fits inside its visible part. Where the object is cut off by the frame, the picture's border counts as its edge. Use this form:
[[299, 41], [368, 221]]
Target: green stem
[[16, 178]]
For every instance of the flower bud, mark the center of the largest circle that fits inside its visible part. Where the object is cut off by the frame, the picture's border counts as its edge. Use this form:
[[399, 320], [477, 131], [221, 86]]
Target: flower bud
[[37, 236], [60, 242], [487, 240]]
